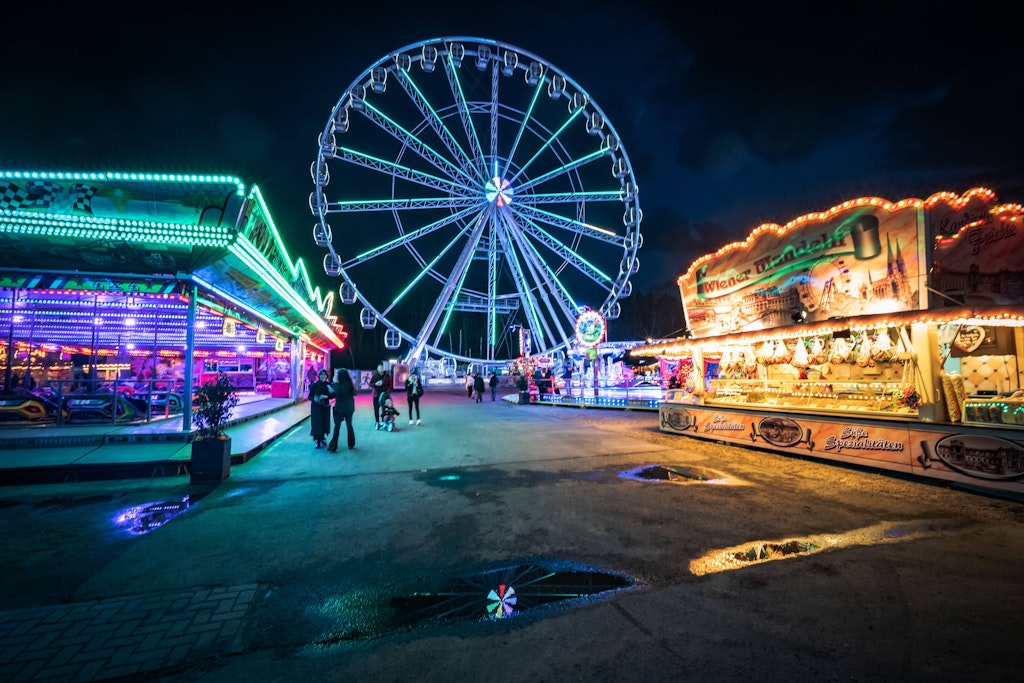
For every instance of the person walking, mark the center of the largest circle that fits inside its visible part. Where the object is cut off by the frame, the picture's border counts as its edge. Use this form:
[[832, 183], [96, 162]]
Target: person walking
[[478, 387], [344, 407], [413, 391], [493, 382], [320, 393], [469, 384], [380, 381]]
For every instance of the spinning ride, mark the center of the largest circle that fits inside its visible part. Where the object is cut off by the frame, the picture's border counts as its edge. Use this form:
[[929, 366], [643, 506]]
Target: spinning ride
[[466, 189]]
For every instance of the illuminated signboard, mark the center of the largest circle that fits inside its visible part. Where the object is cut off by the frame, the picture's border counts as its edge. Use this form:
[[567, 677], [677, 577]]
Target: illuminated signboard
[[977, 252], [861, 257], [590, 329]]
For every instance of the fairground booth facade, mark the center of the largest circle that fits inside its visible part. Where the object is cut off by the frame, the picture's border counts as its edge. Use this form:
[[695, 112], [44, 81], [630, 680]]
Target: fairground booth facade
[[118, 290], [877, 333]]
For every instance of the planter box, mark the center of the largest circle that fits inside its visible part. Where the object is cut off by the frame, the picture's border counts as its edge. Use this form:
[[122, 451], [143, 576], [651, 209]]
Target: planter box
[[211, 461]]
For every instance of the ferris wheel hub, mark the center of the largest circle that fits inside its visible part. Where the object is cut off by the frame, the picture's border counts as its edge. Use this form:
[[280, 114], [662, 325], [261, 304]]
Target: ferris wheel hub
[[499, 191]]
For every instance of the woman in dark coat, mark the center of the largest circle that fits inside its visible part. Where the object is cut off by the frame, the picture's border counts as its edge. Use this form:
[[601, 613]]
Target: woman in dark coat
[[344, 407], [478, 387], [413, 391], [320, 394]]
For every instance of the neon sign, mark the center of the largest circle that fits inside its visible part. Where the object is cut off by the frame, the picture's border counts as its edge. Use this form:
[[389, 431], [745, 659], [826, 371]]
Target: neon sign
[[590, 329]]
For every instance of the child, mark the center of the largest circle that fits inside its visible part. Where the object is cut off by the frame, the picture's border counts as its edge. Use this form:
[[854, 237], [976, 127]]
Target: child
[[388, 412]]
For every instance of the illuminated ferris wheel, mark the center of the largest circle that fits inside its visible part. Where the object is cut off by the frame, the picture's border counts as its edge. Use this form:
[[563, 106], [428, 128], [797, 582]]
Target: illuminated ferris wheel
[[466, 191]]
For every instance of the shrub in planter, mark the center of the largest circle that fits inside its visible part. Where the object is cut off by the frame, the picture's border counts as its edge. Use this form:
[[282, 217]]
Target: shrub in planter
[[211, 448]]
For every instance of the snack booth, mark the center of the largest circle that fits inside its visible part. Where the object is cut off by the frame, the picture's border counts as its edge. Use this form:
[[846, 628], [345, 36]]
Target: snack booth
[[876, 333]]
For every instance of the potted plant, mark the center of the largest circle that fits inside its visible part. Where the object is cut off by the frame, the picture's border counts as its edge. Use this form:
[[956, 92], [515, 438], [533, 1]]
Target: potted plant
[[213, 402]]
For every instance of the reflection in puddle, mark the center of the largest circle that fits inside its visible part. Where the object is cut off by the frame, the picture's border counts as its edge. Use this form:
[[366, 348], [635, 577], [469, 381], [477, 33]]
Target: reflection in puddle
[[492, 595], [680, 474], [141, 519], [759, 552]]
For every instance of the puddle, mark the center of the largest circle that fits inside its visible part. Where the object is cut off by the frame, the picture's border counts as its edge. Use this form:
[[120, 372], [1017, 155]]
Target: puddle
[[141, 519], [757, 552], [488, 596], [673, 473]]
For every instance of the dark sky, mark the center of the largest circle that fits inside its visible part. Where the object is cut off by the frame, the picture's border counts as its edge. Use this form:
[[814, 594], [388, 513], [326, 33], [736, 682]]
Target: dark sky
[[730, 117]]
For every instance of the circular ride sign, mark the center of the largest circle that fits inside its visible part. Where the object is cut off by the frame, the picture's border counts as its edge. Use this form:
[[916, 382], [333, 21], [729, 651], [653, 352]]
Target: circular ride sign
[[590, 329]]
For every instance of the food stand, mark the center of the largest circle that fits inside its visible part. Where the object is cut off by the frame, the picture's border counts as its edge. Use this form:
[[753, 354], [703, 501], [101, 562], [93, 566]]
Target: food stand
[[875, 333]]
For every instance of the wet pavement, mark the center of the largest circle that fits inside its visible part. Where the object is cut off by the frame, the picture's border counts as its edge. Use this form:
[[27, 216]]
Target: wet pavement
[[499, 542]]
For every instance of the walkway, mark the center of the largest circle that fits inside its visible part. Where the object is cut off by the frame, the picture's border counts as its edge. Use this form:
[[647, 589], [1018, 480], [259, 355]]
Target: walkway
[[288, 569], [155, 449]]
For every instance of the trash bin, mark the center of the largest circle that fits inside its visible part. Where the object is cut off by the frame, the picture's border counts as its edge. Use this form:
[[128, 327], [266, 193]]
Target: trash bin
[[524, 397]]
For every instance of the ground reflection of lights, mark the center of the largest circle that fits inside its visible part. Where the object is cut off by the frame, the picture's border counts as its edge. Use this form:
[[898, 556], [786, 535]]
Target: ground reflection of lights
[[141, 519], [759, 552], [501, 602], [676, 474], [491, 595]]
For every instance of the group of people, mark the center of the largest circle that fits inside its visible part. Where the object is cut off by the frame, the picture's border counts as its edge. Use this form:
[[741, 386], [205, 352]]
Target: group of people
[[475, 385], [337, 399]]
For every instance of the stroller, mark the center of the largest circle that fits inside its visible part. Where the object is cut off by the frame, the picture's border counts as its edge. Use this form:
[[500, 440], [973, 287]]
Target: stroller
[[388, 412]]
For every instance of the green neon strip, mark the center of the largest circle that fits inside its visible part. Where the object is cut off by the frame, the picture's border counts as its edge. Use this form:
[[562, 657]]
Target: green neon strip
[[547, 143], [297, 269], [574, 254], [571, 220], [425, 270], [475, 139], [522, 125], [391, 164], [271, 277], [131, 177], [455, 169], [437, 117], [564, 167], [418, 232]]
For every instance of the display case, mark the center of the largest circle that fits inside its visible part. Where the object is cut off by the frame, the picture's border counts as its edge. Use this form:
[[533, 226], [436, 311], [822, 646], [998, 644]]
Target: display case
[[861, 397]]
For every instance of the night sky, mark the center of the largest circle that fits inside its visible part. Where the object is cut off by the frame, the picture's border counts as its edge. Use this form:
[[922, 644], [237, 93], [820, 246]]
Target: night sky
[[731, 118]]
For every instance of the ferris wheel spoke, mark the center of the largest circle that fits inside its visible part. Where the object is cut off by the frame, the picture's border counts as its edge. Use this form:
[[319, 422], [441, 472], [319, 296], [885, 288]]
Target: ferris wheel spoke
[[407, 203], [409, 139], [547, 143], [522, 125], [427, 268], [431, 116], [407, 238], [450, 288], [561, 170], [492, 289], [535, 198], [399, 171], [566, 301], [581, 264], [544, 285], [519, 277], [579, 227], [463, 108], [494, 110]]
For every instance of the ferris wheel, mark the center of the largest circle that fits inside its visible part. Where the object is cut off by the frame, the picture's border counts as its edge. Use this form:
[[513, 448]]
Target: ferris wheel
[[468, 194]]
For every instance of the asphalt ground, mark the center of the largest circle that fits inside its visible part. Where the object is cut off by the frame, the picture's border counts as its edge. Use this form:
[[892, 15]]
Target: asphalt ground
[[749, 566]]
